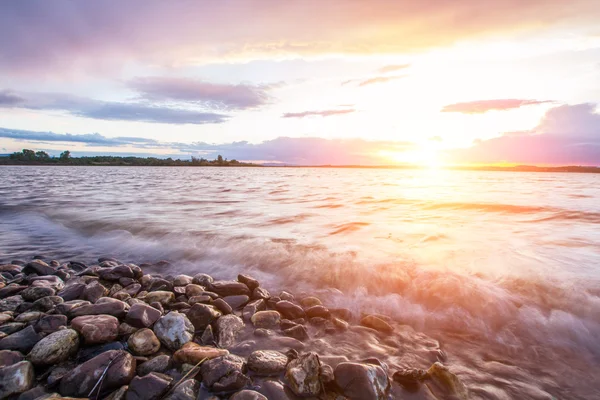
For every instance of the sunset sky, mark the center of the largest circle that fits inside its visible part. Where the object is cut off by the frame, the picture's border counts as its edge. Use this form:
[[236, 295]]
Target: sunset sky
[[305, 82]]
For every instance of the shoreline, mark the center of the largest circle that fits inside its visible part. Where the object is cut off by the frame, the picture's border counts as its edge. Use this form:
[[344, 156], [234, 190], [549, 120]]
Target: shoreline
[[111, 331]]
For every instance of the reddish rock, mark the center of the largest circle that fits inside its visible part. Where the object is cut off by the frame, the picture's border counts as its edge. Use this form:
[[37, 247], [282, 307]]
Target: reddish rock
[[97, 328]]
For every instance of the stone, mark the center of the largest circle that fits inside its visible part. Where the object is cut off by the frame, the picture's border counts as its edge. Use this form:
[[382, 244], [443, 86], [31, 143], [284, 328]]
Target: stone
[[114, 289], [236, 302], [46, 303], [33, 394], [34, 293], [297, 332], [16, 378], [157, 364], [202, 280], [192, 290], [247, 395], [302, 375], [5, 317], [142, 316], [159, 284], [199, 299], [68, 306], [222, 306], [444, 384], [182, 280], [97, 328], [128, 291], [288, 342], [193, 353], [274, 390], [11, 327], [93, 292], [38, 267], [342, 313], [310, 301], [374, 322], [252, 308], [289, 310], [362, 381], [116, 308], [260, 293], [72, 291], [143, 342], [317, 311], [248, 281], [118, 394], [115, 273], [156, 305], [410, 378], [160, 296], [120, 370], [9, 357], [229, 288], [22, 341], [227, 328], [174, 330], [266, 319], [186, 390], [126, 329], [29, 316], [202, 315], [50, 281], [267, 362], [50, 323], [11, 303], [87, 353], [55, 348], [224, 373], [11, 268], [148, 387]]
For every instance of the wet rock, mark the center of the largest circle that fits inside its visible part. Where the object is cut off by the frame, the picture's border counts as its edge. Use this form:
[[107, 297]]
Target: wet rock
[[118, 394], [129, 290], [55, 348], [29, 316], [11, 303], [362, 381], [261, 332], [34, 293], [182, 280], [116, 308], [287, 324], [80, 381], [96, 328], [317, 311], [9, 357], [202, 280], [228, 327], [5, 317], [266, 319], [289, 310], [247, 395], [11, 268], [162, 297], [114, 289], [16, 378], [157, 306], [202, 315], [267, 362], [11, 327], [326, 374], [288, 342], [186, 390], [260, 293], [93, 292], [159, 284], [297, 332], [72, 291], [310, 301], [22, 341], [192, 290], [87, 353], [222, 306], [192, 353], [252, 308], [115, 273], [38, 267], [444, 384], [224, 374], [302, 375], [199, 299], [157, 364], [229, 288], [50, 323], [68, 306], [124, 282], [236, 302], [342, 313], [148, 387], [33, 394], [46, 303], [275, 390], [126, 329], [374, 322], [142, 316], [286, 296], [247, 280], [174, 330], [410, 378], [144, 342]]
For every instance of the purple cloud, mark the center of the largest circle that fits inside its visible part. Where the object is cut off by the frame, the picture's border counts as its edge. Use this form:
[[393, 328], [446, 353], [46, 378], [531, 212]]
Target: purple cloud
[[8, 98], [483, 106], [321, 113]]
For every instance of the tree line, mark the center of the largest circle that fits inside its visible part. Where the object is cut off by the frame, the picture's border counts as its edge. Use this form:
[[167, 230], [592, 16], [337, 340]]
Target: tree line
[[30, 157]]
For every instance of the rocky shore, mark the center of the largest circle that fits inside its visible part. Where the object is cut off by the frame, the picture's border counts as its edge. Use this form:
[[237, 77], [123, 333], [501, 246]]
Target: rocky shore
[[110, 331]]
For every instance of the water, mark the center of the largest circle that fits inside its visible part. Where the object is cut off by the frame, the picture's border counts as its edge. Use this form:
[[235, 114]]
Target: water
[[501, 270]]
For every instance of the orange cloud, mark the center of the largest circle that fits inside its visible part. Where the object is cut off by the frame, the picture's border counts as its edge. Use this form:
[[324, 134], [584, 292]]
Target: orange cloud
[[482, 106]]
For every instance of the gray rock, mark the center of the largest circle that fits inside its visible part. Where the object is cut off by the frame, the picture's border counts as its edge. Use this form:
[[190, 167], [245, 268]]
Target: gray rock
[[229, 288], [186, 390], [72, 291], [252, 308], [224, 373], [228, 327], [22, 341], [143, 342], [142, 316], [236, 302], [202, 280], [148, 387], [302, 375], [11, 303], [289, 310], [35, 293], [267, 362], [297, 332], [46, 303], [174, 330], [16, 378], [9, 357], [362, 381], [202, 315], [50, 323], [11, 327], [247, 395], [157, 364], [223, 306], [55, 348]]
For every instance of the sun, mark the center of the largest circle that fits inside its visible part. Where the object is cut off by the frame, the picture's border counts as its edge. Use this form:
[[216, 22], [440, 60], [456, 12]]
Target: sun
[[423, 156]]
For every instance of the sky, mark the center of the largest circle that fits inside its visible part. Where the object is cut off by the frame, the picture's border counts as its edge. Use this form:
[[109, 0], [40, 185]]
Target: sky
[[310, 82]]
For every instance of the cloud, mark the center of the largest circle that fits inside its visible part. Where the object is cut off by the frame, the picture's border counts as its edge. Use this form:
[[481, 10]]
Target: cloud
[[380, 79], [392, 68], [213, 95], [566, 135], [91, 139], [7, 98], [322, 113], [59, 36], [483, 106], [113, 111]]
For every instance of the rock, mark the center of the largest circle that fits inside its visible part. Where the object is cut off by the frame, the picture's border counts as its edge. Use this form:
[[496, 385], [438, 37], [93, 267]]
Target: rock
[[80, 381], [11, 327], [115, 308], [38, 267], [129, 290], [162, 297], [157, 306], [29, 316], [274, 390], [317, 311], [22, 341], [182, 280], [444, 384], [260, 293], [157, 364], [72, 291], [4, 318], [288, 342], [8, 357], [202, 315], [302, 375], [374, 322], [286, 296], [87, 353], [248, 281], [247, 395], [50, 323], [229, 288], [222, 306], [224, 374], [228, 328], [267, 362], [50, 281], [118, 394], [55, 348], [342, 313], [13, 268], [115, 273], [289, 310], [97, 328], [287, 324], [327, 374], [159, 284], [93, 292], [144, 342], [362, 381], [174, 330], [192, 353], [297, 332], [236, 302], [46, 303], [193, 290], [252, 308], [199, 299], [266, 319], [16, 378], [410, 378], [68, 306], [310, 301], [34, 293], [148, 387], [202, 280], [38, 392], [186, 390], [142, 316], [11, 303], [126, 329]]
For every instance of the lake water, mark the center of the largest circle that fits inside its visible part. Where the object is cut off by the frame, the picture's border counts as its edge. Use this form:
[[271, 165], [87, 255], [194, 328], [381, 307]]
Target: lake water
[[502, 269]]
